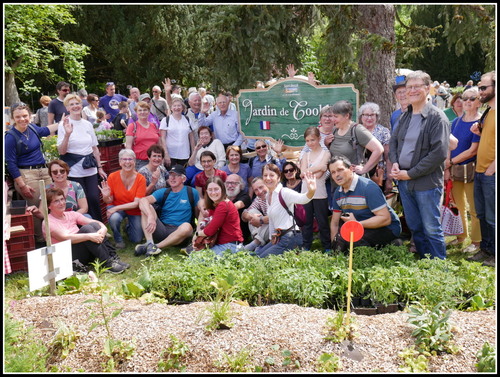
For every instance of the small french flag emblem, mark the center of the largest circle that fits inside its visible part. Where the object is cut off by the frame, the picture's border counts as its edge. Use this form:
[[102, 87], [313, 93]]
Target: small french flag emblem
[[265, 125]]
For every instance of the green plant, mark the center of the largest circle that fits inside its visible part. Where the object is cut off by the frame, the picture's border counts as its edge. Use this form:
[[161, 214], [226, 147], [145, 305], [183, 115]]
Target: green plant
[[109, 134], [220, 309], [50, 151], [171, 358], [236, 363], [414, 361], [337, 329], [486, 359], [64, 340], [23, 351], [432, 329], [117, 351], [73, 284], [328, 363]]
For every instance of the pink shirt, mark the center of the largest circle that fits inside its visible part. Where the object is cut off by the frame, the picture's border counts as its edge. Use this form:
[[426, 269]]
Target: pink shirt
[[69, 223]]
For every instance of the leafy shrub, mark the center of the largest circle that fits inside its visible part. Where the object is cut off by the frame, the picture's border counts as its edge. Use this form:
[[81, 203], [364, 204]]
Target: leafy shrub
[[486, 359]]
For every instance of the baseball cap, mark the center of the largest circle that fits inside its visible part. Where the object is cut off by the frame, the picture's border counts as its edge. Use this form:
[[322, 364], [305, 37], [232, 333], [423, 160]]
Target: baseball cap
[[400, 82], [178, 169], [144, 96]]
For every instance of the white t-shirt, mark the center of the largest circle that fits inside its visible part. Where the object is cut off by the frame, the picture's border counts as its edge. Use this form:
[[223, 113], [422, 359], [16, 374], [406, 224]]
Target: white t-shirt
[[177, 137], [91, 114], [81, 141]]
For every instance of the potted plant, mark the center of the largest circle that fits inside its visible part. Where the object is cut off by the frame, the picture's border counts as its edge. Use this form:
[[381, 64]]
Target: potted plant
[[108, 138]]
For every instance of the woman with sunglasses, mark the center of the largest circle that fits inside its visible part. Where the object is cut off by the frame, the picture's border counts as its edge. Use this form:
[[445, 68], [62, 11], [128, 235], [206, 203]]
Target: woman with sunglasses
[[461, 166], [77, 146], [24, 157], [290, 176], [265, 157], [89, 111]]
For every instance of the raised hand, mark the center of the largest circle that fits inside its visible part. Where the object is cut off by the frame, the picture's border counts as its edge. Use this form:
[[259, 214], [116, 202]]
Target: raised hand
[[167, 85], [105, 189], [68, 127], [290, 69]]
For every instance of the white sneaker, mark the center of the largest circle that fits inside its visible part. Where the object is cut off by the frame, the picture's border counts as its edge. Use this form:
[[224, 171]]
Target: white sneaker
[[470, 249]]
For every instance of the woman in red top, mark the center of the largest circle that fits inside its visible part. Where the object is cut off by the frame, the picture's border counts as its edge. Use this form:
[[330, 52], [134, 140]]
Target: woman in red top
[[141, 134], [121, 192], [222, 217]]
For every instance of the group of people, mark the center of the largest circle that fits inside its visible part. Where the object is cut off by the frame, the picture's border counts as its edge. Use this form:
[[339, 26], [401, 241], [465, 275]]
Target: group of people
[[183, 164]]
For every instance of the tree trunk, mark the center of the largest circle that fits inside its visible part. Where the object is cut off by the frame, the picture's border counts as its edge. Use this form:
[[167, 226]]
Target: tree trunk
[[378, 61], [11, 95]]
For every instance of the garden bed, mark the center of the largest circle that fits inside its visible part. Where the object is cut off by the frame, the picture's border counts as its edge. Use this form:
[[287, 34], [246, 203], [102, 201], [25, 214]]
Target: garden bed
[[266, 331]]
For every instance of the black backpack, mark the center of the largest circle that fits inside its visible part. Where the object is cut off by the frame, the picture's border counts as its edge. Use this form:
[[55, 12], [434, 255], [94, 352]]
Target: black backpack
[[158, 206]]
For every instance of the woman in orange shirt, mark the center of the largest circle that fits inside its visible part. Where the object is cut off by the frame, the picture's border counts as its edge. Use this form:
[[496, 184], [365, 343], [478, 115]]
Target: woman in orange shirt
[[122, 192]]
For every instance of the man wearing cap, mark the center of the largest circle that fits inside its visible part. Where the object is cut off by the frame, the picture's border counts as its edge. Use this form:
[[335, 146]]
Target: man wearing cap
[[174, 223], [399, 90], [56, 107], [110, 101]]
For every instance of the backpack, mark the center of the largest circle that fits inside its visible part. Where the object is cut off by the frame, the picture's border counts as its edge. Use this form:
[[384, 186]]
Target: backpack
[[299, 212], [354, 144], [167, 118], [19, 142], [158, 206]]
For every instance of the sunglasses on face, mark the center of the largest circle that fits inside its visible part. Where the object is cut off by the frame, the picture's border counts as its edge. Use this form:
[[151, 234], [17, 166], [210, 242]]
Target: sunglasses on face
[[64, 90], [483, 87], [469, 99], [58, 171], [286, 171], [260, 147]]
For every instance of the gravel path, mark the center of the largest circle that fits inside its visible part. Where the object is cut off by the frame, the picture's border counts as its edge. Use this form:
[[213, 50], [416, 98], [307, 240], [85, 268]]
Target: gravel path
[[291, 327]]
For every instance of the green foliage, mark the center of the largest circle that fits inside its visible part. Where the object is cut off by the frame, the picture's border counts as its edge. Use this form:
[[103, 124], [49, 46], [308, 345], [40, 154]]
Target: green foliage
[[328, 363], [23, 351], [50, 151], [118, 352], [132, 289], [239, 362], [109, 135], [486, 359], [337, 328], [71, 285], [64, 340], [172, 357], [432, 329], [414, 361], [220, 310], [33, 44]]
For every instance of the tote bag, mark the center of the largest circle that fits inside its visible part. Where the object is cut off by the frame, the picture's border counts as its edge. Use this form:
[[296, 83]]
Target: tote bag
[[451, 221]]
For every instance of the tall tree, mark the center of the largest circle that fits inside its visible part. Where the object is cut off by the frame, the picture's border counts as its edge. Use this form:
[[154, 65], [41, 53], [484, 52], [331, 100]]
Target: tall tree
[[33, 47]]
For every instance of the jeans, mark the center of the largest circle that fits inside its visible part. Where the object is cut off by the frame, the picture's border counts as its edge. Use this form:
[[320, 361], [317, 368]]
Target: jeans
[[219, 249], [134, 229], [421, 209], [287, 242], [484, 199]]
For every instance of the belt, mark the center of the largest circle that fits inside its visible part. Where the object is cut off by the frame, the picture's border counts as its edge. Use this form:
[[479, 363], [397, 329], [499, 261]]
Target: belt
[[33, 166]]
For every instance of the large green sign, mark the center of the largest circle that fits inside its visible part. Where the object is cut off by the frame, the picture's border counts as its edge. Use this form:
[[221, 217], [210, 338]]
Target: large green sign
[[285, 109]]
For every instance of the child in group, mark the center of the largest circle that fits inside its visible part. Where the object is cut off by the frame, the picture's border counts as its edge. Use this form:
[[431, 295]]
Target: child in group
[[101, 123], [121, 120]]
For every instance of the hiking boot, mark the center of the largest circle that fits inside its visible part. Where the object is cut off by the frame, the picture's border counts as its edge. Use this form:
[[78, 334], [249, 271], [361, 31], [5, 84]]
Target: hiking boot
[[188, 249], [115, 268], [141, 249], [480, 256], [120, 245], [117, 260], [152, 249], [490, 261]]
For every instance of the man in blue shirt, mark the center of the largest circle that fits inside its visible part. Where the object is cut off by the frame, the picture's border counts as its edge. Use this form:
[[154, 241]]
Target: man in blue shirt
[[174, 224], [224, 122], [110, 101], [360, 199]]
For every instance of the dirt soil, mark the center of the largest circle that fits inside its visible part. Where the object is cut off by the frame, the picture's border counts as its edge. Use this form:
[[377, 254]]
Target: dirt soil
[[256, 329]]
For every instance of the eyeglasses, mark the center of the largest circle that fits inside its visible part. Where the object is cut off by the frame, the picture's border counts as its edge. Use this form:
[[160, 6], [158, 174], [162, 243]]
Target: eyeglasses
[[260, 147], [415, 87], [58, 171], [369, 115], [286, 171], [482, 88], [469, 99], [95, 100], [127, 159]]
